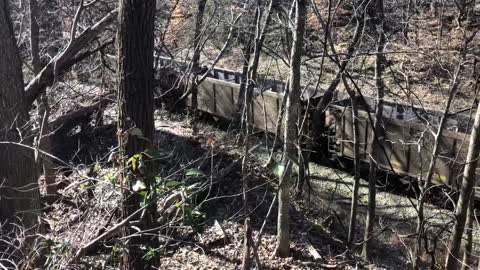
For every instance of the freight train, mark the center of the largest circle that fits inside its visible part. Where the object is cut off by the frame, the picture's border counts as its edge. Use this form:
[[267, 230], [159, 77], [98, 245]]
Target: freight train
[[408, 131]]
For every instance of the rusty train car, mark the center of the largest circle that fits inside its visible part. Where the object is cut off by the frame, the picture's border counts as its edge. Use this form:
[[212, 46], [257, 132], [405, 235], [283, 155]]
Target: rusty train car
[[408, 135]]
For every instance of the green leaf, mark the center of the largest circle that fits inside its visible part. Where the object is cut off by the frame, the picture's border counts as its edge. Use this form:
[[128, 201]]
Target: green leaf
[[195, 172], [152, 153], [151, 254], [144, 195], [84, 185], [110, 175], [278, 169], [133, 161], [96, 167], [138, 186], [172, 184]]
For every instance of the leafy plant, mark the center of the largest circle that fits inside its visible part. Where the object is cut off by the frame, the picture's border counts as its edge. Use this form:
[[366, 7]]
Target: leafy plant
[[195, 173]]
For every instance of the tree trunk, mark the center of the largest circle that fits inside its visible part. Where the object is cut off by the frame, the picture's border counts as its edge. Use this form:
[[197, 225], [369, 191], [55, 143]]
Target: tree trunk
[[135, 103], [252, 72], [291, 133], [247, 235], [356, 169], [467, 245], [424, 189], [468, 183], [247, 40], [378, 129], [19, 194], [197, 49], [44, 142]]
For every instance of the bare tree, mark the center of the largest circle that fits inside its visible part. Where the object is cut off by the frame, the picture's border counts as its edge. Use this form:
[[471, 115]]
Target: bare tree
[[319, 111], [380, 62], [135, 119], [291, 132]]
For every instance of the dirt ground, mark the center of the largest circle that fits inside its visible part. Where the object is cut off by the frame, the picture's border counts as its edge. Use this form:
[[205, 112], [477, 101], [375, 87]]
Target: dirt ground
[[324, 217]]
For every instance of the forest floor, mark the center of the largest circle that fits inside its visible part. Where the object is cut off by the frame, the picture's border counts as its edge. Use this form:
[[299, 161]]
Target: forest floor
[[212, 236], [319, 220]]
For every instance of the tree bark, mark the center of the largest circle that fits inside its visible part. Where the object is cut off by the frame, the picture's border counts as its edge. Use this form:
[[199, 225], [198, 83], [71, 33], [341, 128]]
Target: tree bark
[[19, 194], [135, 104], [291, 133], [468, 183]]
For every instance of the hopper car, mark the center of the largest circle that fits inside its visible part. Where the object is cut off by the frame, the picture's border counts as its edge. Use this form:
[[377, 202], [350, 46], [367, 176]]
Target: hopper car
[[408, 131]]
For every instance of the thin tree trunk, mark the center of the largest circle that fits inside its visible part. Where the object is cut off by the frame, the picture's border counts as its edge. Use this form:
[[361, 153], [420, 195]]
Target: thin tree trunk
[[135, 104], [378, 129], [356, 147], [291, 132], [19, 194], [246, 53], [468, 183]]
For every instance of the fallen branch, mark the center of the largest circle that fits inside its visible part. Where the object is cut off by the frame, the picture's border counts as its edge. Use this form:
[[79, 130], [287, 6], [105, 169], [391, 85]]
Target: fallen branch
[[81, 112], [64, 59], [106, 234]]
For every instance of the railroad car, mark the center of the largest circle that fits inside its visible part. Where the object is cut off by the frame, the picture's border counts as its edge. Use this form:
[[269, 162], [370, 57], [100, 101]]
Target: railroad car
[[408, 139], [408, 131]]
